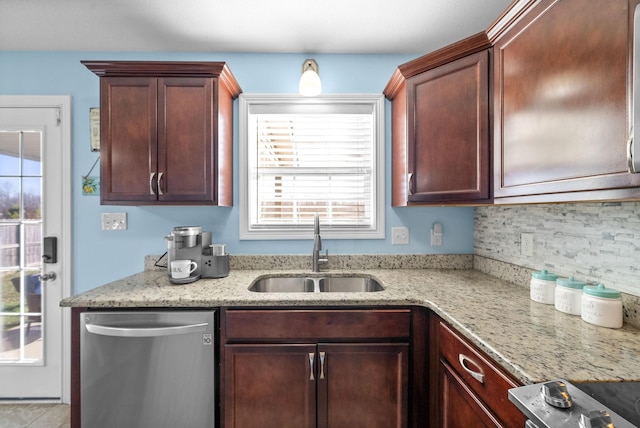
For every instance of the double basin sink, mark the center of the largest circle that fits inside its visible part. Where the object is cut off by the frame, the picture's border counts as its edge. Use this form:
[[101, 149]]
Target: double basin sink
[[313, 284]]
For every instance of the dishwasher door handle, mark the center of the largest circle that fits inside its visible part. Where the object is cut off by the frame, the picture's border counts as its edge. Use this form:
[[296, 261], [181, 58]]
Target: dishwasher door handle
[[105, 330]]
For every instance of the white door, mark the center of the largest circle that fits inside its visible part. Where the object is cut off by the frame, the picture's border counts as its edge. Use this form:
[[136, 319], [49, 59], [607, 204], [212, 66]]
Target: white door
[[34, 205]]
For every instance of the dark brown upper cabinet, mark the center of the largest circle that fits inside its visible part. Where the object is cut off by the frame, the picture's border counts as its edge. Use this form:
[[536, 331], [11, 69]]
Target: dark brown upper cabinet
[[166, 132], [562, 101], [440, 126]]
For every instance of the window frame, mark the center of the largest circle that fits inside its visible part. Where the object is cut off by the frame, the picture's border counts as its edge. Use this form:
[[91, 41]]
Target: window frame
[[247, 102]]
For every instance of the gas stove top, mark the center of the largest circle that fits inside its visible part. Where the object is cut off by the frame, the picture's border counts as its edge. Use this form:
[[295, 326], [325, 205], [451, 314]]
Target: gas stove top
[[621, 397], [562, 404]]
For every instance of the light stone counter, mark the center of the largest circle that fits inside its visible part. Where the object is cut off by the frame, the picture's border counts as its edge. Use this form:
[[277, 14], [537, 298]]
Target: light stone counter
[[532, 341]]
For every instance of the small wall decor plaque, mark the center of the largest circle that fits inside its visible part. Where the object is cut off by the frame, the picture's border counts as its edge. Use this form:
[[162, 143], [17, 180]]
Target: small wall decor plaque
[[91, 185], [94, 126]]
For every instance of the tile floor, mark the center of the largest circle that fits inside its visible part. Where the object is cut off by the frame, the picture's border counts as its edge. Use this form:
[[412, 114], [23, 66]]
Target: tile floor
[[32, 415]]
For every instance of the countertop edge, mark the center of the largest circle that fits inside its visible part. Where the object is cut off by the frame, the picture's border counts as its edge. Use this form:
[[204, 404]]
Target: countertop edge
[[485, 320]]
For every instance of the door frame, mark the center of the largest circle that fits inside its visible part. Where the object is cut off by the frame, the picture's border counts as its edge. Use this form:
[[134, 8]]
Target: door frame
[[63, 103]]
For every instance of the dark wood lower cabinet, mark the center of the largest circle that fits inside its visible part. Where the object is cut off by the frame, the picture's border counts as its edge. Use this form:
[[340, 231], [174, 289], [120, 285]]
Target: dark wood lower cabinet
[[471, 389], [309, 385], [299, 368], [363, 385], [460, 408], [269, 386]]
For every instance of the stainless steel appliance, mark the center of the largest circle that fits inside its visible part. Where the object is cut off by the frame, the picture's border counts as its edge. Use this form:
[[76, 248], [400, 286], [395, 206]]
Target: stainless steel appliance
[[191, 243], [147, 369], [559, 403], [187, 243]]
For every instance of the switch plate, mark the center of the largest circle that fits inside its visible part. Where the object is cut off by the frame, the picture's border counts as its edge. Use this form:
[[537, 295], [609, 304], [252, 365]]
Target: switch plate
[[399, 235], [114, 221], [436, 235], [526, 244]]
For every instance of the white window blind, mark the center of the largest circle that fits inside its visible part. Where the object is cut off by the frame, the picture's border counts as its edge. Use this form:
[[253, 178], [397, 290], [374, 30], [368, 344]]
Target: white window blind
[[312, 157]]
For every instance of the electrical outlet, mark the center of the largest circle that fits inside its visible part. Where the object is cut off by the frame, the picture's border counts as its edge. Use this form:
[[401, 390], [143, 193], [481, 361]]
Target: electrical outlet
[[399, 235], [526, 244], [114, 221]]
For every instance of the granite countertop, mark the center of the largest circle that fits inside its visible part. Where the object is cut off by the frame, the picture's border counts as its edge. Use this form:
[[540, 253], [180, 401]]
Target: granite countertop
[[530, 340]]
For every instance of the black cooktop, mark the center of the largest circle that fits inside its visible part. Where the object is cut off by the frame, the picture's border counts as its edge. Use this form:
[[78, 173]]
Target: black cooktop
[[621, 397]]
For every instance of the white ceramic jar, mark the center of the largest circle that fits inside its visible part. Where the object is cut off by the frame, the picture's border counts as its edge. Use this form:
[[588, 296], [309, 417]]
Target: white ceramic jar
[[601, 306], [568, 295], [542, 287]]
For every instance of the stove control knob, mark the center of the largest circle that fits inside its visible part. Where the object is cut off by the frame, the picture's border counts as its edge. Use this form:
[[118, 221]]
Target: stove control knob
[[596, 419], [555, 393]]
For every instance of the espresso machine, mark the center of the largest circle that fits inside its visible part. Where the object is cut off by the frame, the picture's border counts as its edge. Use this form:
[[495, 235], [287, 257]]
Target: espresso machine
[[191, 243]]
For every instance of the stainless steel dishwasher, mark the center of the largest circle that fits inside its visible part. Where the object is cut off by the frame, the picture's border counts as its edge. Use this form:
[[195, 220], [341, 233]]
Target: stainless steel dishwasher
[[147, 369]]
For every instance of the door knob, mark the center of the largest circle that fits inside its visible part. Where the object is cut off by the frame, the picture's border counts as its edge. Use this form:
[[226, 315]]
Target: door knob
[[51, 276]]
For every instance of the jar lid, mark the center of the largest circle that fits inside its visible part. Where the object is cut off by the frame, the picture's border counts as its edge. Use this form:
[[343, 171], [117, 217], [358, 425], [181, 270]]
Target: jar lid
[[601, 291], [570, 282], [543, 274]]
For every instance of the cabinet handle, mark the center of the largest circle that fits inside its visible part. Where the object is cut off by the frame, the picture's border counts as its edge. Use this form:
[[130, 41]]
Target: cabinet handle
[[160, 184], [479, 376], [410, 183], [630, 165], [633, 150], [311, 357], [151, 192], [322, 365]]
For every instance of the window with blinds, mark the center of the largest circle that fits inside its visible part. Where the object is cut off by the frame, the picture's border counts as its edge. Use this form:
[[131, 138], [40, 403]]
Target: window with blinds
[[308, 156]]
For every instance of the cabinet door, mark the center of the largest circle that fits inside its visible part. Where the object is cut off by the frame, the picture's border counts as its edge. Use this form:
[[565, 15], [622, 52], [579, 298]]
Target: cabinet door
[[185, 139], [448, 132], [362, 385], [561, 103], [479, 374], [128, 138], [269, 386], [460, 408]]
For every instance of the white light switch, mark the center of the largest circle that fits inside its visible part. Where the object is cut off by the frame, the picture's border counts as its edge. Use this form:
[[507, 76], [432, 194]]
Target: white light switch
[[114, 221], [436, 235]]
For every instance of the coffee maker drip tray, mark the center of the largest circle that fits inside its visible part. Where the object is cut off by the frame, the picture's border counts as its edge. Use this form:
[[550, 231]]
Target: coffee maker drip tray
[[188, 280]]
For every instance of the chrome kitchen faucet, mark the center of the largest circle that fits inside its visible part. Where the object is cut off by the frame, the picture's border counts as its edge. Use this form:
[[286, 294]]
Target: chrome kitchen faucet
[[317, 246]]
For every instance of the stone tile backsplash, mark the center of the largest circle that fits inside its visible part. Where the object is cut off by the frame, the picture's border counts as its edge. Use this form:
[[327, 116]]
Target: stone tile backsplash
[[595, 242]]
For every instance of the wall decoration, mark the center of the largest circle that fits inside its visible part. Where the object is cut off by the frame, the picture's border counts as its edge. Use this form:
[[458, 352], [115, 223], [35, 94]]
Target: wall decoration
[[94, 126], [91, 183], [91, 186]]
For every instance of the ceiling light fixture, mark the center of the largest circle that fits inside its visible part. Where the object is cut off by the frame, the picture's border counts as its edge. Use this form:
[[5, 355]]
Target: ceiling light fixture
[[310, 84]]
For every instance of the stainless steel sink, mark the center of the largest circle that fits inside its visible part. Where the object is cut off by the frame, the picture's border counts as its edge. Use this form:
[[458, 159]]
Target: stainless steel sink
[[320, 284], [349, 284], [280, 284]]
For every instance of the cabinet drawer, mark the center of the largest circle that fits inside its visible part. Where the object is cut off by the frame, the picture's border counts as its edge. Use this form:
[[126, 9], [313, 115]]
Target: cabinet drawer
[[482, 376], [316, 324]]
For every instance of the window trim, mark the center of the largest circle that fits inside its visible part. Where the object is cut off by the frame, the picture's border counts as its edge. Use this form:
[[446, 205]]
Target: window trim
[[376, 101]]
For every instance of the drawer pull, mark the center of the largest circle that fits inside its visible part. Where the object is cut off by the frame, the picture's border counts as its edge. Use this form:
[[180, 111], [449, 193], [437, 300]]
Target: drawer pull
[[311, 356], [479, 376], [322, 365]]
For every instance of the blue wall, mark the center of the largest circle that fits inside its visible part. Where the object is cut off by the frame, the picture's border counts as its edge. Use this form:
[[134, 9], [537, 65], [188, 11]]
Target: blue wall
[[100, 257]]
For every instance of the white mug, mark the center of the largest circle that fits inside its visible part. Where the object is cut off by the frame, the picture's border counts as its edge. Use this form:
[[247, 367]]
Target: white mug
[[182, 268]]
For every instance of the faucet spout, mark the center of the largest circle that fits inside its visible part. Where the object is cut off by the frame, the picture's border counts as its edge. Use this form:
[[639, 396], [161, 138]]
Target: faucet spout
[[317, 246], [316, 225]]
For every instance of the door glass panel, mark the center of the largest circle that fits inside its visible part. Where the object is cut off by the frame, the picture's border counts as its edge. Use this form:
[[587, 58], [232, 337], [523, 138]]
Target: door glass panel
[[9, 147], [32, 197], [31, 159], [20, 247]]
